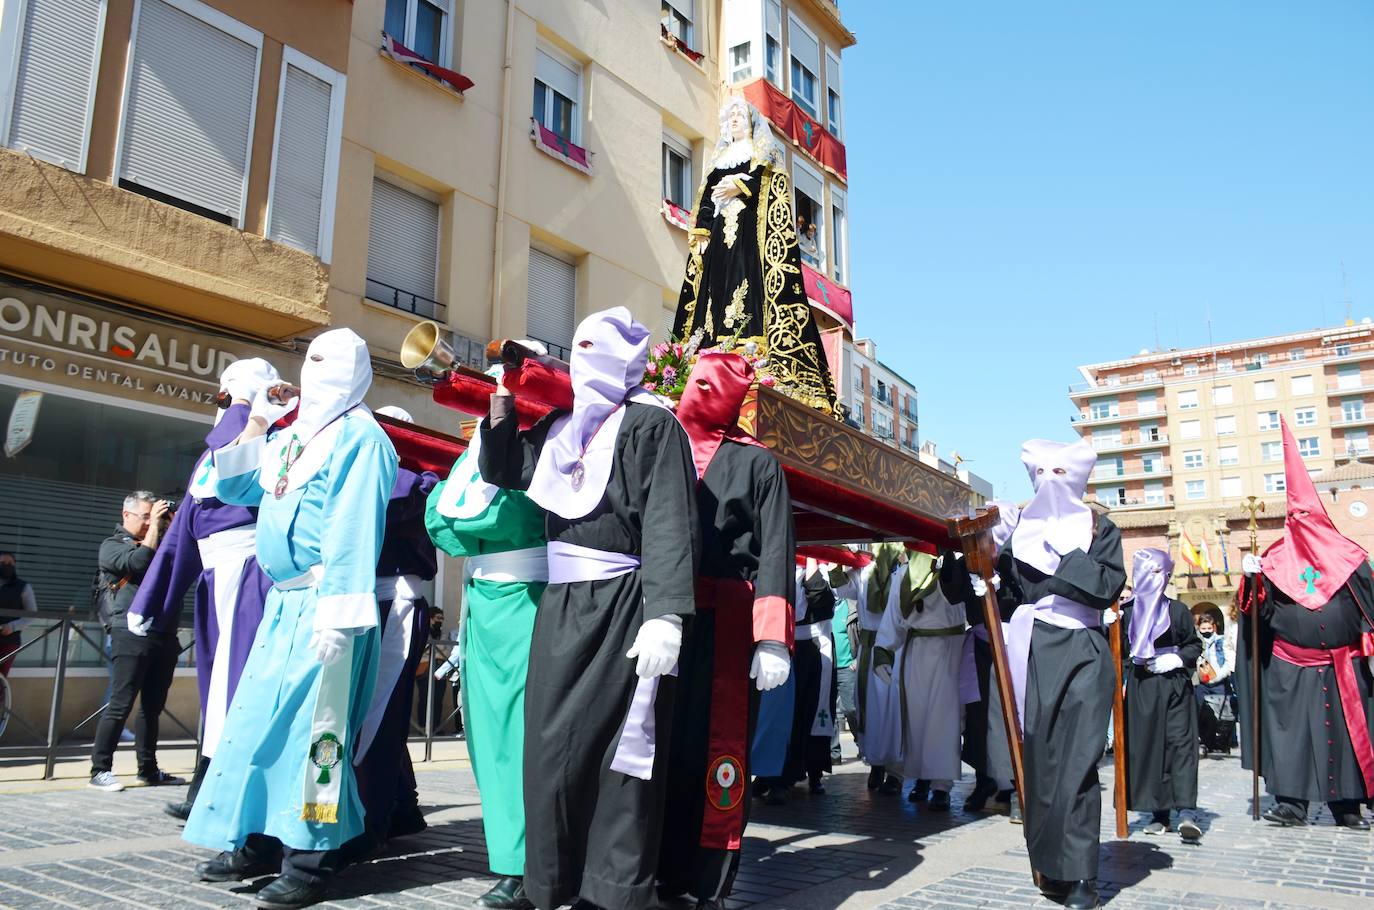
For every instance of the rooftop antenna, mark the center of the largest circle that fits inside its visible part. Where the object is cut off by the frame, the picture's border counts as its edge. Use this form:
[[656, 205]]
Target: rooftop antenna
[[1345, 294], [1157, 347]]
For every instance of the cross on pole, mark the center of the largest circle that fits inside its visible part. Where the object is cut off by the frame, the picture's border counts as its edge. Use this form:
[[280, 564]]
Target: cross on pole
[[1254, 506]]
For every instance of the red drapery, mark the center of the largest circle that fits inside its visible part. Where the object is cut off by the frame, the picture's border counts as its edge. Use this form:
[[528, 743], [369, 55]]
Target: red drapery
[[829, 296], [402, 54], [798, 126]]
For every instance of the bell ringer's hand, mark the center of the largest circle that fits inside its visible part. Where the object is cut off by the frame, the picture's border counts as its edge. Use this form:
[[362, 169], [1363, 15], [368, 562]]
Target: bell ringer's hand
[[1110, 616], [772, 665], [139, 625], [1250, 565], [268, 411], [656, 646], [980, 587]]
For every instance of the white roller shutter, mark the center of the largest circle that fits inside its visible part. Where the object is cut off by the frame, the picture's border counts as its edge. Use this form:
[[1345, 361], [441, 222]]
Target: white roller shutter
[[773, 19], [306, 142], [188, 116], [804, 46], [557, 75], [54, 81], [807, 182], [682, 6], [402, 244], [553, 300]]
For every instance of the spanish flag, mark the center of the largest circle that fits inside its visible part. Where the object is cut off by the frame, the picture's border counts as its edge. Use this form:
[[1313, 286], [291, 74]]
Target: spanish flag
[[1193, 555]]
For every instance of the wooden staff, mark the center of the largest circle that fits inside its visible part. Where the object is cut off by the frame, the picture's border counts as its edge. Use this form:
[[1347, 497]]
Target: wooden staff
[[1254, 507], [1119, 723]]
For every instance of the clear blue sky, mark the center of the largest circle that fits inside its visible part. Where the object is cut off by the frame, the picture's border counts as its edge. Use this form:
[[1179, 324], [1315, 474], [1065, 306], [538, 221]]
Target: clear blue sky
[[1035, 185]]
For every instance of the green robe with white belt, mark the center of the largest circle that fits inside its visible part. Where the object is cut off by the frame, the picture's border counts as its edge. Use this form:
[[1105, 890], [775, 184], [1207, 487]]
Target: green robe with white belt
[[495, 643]]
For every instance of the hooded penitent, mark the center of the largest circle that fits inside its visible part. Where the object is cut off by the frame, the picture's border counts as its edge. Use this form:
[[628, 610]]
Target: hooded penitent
[[1312, 561], [710, 405], [609, 353], [1150, 571], [1056, 520], [395, 413]]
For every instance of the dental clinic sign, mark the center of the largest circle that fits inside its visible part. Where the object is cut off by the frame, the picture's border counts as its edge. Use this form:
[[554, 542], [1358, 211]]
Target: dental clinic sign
[[48, 337]]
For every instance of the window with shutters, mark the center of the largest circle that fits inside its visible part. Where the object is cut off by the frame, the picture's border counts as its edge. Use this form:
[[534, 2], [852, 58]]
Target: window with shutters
[[422, 26], [772, 41], [677, 170], [56, 51], [809, 190], [403, 248], [1230, 488], [188, 108], [805, 52], [839, 233], [678, 16], [552, 312], [305, 157], [741, 68], [833, 88], [558, 93]]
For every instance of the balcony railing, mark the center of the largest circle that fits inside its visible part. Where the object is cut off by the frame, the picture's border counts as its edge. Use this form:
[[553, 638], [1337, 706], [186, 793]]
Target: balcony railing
[[1135, 502], [406, 301], [1160, 470], [1088, 420], [1130, 443], [1335, 390], [1125, 384], [1361, 421]]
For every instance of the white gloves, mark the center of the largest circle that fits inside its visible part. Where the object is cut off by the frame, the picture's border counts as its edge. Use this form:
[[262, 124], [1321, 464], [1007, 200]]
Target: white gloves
[[884, 673], [269, 410], [723, 189], [328, 644], [1163, 663], [772, 665], [657, 644], [980, 587], [139, 625], [1110, 616], [1250, 565]]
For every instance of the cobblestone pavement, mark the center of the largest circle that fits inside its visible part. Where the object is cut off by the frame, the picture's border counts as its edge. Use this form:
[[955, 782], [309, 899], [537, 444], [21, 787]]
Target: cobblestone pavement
[[849, 849]]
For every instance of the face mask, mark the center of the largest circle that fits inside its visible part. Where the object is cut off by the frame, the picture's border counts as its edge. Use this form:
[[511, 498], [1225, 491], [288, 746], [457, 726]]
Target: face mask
[[6, 572]]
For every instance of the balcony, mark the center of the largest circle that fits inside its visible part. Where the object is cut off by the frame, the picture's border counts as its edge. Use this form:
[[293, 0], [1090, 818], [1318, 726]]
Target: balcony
[[801, 128], [1087, 420], [1339, 391], [76, 232], [1132, 443], [1135, 504], [1364, 420], [1127, 384], [1157, 473]]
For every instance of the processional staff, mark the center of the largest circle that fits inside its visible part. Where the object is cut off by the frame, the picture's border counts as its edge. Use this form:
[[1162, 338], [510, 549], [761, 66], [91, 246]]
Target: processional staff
[[1254, 506]]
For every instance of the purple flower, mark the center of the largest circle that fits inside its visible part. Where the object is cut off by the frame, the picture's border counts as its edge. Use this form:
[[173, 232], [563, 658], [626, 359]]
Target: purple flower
[[669, 374]]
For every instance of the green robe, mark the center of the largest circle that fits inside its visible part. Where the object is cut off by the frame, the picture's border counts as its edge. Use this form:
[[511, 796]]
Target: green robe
[[495, 642]]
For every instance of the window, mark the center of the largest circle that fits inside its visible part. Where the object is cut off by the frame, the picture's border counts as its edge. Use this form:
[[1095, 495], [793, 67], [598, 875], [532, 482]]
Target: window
[[1222, 394], [1192, 459], [1111, 496], [678, 16], [833, 88], [1104, 408], [1357, 442], [1147, 402], [859, 382], [1152, 462], [1348, 376], [740, 66], [839, 233], [552, 313], [1301, 385], [1342, 350], [557, 93], [1297, 354], [1187, 399], [1268, 420], [421, 25], [1107, 437], [1226, 426], [1114, 380], [1154, 493], [1195, 489], [809, 191], [1352, 409], [1271, 451], [1149, 432], [1190, 369], [1266, 390], [1260, 360], [1274, 483], [305, 160], [1109, 467], [188, 109], [403, 247], [1310, 447], [1190, 429], [49, 112], [677, 171], [772, 51], [1230, 488], [1228, 455], [806, 63], [1224, 365], [1305, 417]]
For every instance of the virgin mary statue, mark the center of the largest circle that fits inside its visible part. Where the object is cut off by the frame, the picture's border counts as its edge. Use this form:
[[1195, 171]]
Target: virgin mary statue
[[744, 278]]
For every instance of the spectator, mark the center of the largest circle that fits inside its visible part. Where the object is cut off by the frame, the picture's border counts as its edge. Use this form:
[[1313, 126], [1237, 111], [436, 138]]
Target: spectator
[[143, 660], [845, 618], [1212, 685], [427, 682], [15, 594], [806, 240]]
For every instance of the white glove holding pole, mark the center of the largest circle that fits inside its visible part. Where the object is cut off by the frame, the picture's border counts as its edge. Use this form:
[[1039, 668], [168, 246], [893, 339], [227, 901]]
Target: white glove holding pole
[[772, 665], [1164, 663], [328, 644], [1250, 565], [980, 587], [269, 410], [1110, 616], [139, 625], [657, 644]]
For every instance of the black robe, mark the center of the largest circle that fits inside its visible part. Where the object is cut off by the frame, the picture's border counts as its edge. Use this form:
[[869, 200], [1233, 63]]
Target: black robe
[[1069, 684], [1161, 720], [807, 754], [1305, 741], [746, 535], [590, 831], [748, 283]]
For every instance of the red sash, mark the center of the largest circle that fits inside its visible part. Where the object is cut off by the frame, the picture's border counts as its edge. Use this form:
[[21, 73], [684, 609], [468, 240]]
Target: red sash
[[1342, 661], [722, 824]]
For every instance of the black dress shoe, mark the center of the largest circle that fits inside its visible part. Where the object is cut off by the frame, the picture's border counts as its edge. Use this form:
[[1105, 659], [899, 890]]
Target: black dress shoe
[[892, 786], [920, 791], [1053, 887], [180, 810], [1354, 821], [287, 893], [939, 801], [1284, 814], [234, 867], [405, 821], [776, 795], [875, 777], [1082, 895], [983, 790], [507, 894], [817, 787]]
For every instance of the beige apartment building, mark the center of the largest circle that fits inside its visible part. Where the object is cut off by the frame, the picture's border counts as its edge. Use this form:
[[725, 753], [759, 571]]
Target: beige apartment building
[[1184, 436]]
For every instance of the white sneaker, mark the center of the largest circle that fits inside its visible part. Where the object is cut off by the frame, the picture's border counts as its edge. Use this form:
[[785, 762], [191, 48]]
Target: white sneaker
[[1188, 828], [105, 780]]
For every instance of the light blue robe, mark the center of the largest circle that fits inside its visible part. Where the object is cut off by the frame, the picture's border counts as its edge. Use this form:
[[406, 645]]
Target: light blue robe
[[335, 520]]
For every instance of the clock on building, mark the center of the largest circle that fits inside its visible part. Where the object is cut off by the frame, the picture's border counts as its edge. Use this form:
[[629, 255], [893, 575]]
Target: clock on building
[[1358, 509]]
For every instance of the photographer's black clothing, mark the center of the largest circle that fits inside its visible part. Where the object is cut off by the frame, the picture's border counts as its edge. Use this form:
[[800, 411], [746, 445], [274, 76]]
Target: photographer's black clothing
[[142, 665]]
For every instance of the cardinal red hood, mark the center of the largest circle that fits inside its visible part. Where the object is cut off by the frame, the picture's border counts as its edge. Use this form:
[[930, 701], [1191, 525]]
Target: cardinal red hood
[[1312, 561], [711, 402]]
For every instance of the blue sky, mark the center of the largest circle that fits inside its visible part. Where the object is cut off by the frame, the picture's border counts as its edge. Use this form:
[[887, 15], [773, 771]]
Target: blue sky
[[1038, 185]]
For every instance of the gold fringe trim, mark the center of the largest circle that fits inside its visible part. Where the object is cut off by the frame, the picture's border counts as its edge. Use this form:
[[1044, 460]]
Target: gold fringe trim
[[323, 813]]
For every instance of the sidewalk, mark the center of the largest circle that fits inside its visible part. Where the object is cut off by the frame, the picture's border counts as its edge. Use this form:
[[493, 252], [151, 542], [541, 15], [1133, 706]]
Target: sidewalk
[[68, 846]]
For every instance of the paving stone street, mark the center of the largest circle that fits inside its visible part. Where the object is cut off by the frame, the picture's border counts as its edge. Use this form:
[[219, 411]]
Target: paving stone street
[[63, 845]]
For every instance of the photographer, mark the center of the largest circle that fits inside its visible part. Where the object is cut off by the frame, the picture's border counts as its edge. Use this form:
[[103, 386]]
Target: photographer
[[143, 660]]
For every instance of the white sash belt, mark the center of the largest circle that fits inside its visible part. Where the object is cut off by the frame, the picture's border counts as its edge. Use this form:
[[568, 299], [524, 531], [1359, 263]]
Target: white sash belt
[[224, 548], [528, 565], [308, 579]]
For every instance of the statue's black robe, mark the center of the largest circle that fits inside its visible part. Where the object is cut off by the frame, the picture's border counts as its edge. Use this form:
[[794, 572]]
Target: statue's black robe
[[1161, 720]]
